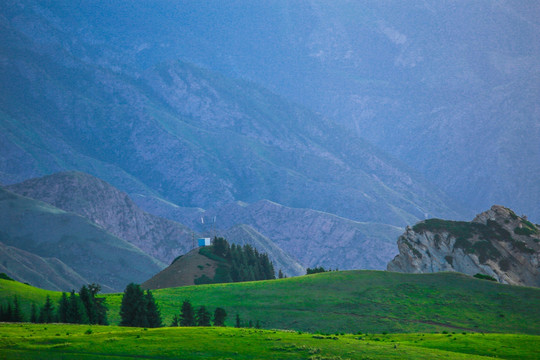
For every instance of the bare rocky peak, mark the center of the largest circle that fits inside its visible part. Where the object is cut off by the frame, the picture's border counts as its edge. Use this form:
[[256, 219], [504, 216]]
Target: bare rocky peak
[[497, 243]]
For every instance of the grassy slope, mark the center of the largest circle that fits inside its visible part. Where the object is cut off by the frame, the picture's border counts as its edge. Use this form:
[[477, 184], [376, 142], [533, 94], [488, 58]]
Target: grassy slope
[[26, 341], [352, 301]]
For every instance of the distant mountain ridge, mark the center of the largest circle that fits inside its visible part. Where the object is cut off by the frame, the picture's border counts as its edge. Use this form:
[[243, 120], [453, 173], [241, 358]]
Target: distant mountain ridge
[[497, 243], [313, 237], [113, 210], [84, 251]]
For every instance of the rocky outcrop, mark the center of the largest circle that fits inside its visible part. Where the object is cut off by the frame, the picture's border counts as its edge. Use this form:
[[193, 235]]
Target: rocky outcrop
[[497, 243]]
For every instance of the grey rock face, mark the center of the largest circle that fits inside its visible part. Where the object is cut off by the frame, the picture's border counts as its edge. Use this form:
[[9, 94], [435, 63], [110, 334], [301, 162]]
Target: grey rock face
[[497, 243]]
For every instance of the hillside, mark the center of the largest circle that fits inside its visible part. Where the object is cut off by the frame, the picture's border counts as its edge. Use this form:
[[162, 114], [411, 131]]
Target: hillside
[[79, 245], [45, 273], [351, 301], [113, 210], [497, 243], [183, 271], [220, 262]]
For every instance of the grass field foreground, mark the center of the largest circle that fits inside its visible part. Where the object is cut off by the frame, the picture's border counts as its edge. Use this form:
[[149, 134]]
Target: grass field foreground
[[60, 341]]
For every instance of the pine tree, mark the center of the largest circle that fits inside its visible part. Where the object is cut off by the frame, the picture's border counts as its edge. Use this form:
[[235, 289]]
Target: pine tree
[[238, 322], [219, 317], [34, 317], [46, 314], [133, 307], [89, 304], [17, 315], [175, 321], [187, 314], [99, 305], [8, 313], [203, 317], [63, 308], [280, 274], [152, 311], [76, 313]]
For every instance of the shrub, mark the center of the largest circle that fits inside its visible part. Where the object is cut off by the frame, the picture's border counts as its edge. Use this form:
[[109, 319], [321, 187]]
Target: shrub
[[484, 277]]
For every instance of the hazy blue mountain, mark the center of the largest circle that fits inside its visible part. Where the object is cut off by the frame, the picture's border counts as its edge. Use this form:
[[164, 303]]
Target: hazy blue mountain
[[449, 87], [79, 245], [45, 273], [74, 100], [116, 213], [113, 210]]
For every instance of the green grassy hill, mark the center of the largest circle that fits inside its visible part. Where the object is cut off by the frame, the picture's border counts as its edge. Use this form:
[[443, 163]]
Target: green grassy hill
[[353, 301], [26, 341]]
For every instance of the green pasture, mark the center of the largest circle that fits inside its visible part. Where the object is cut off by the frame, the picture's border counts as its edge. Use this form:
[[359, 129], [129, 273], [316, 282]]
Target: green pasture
[[349, 301], [59, 341]]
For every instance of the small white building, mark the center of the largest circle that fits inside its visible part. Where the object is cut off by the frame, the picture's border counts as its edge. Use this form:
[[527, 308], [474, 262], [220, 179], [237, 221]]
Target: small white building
[[204, 242]]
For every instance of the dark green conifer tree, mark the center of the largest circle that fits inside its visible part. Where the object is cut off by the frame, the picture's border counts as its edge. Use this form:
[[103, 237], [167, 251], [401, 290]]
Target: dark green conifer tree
[[175, 321], [89, 304], [187, 314], [34, 317], [63, 308], [99, 304], [203, 317], [76, 313], [133, 307], [238, 321], [152, 311], [219, 317], [17, 315], [46, 315]]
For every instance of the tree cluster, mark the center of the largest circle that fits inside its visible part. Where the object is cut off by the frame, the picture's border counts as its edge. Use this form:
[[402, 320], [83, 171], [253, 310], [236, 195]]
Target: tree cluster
[[245, 263], [202, 317], [82, 308], [317, 270], [139, 308], [11, 312]]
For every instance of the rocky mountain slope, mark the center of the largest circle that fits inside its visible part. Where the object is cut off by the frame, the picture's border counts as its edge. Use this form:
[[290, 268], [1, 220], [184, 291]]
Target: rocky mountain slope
[[187, 135], [113, 210], [312, 237], [447, 87], [49, 232], [497, 243]]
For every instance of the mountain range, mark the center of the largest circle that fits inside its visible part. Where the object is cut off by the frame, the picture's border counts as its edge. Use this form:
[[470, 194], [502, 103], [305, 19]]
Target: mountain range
[[316, 130]]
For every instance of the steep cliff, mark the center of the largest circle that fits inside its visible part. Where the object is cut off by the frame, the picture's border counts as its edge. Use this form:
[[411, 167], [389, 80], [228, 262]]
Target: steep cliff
[[497, 243]]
